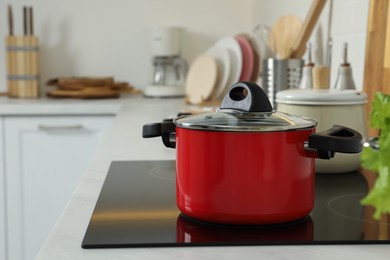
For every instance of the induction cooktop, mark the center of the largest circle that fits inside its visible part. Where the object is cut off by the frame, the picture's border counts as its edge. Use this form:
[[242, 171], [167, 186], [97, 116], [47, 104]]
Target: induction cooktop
[[136, 208]]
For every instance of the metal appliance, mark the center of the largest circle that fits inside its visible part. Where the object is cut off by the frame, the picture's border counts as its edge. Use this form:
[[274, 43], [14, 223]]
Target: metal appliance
[[169, 68]]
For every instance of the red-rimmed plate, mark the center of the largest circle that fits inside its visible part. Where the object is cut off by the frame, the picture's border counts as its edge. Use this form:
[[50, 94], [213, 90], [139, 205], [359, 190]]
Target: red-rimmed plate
[[247, 58], [256, 57]]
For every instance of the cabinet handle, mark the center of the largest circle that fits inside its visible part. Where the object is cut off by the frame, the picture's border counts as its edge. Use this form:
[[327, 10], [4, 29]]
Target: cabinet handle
[[60, 127]]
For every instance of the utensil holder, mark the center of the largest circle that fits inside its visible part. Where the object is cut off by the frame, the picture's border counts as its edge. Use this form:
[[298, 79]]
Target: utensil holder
[[22, 66], [280, 75]]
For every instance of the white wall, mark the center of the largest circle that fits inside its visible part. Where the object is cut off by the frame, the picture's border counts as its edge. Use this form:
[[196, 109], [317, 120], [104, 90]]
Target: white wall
[[101, 37], [108, 38]]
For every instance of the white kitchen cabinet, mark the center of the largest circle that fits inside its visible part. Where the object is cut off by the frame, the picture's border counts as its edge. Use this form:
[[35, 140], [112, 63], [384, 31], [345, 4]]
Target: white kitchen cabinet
[[44, 159], [2, 197]]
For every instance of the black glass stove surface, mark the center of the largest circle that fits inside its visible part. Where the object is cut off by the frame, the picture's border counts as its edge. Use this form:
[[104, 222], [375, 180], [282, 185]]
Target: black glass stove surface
[[137, 208]]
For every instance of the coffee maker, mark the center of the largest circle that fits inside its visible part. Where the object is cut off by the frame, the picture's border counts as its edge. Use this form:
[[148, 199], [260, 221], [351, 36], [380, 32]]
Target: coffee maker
[[169, 68]]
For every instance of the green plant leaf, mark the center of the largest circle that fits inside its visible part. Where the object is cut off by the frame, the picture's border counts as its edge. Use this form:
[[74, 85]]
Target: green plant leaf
[[370, 159], [379, 160], [380, 111], [379, 196]]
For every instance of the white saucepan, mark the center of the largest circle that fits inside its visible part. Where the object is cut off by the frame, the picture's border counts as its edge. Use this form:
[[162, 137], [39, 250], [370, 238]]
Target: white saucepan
[[329, 107]]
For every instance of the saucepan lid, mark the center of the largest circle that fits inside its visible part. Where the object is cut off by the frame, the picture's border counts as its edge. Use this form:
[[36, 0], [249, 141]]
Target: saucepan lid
[[245, 108], [321, 97]]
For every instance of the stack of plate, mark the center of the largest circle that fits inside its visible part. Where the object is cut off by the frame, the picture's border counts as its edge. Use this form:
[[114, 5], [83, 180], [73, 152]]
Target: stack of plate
[[229, 60]]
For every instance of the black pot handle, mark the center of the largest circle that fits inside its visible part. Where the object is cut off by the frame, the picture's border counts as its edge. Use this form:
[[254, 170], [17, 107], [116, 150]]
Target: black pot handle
[[166, 129], [336, 139], [246, 96]]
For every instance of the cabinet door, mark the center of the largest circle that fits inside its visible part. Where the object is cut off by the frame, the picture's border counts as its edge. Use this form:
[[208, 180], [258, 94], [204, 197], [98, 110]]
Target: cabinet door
[[2, 195], [45, 158]]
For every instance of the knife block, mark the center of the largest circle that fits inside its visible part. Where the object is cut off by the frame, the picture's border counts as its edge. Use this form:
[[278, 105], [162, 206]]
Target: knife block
[[22, 66]]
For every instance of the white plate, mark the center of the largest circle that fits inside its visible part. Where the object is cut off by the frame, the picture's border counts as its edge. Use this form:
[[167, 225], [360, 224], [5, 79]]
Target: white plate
[[221, 55], [234, 50], [201, 79]]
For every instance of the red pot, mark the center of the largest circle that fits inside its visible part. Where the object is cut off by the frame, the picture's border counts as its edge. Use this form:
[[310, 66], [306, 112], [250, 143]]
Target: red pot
[[247, 164]]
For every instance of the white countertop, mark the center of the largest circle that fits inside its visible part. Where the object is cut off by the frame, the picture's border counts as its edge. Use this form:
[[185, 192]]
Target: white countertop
[[124, 142], [50, 106]]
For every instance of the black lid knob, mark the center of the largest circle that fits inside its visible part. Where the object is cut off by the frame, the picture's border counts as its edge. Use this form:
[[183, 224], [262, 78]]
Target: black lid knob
[[246, 96]]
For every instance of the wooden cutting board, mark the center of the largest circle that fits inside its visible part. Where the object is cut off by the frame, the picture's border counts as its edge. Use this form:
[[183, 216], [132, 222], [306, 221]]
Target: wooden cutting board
[[377, 64], [201, 79], [85, 93], [89, 87]]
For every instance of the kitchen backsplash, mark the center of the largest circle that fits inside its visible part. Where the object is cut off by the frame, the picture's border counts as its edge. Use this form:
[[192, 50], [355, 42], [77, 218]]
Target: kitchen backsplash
[[108, 38]]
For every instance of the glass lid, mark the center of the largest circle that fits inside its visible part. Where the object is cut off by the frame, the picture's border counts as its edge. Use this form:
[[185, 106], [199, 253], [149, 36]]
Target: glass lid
[[245, 108], [225, 120]]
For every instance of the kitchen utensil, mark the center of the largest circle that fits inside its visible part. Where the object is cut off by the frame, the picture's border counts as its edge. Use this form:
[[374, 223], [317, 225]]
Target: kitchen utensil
[[25, 20], [31, 20], [22, 58], [10, 21], [201, 79], [285, 31], [10, 41], [329, 39], [344, 78], [247, 164], [231, 44], [221, 55], [85, 93], [307, 78], [89, 87], [280, 75], [321, 77], [69, 82], [247, 58], [307, 71], [298, 46], [329, 107]]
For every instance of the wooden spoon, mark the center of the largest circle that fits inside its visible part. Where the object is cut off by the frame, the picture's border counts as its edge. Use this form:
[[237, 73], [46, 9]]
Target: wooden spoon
[[285, 31], [298, 47]]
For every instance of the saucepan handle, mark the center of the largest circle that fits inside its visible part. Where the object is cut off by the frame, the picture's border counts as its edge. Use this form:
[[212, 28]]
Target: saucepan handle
[[166, 129], [338, 138], [246, 96]]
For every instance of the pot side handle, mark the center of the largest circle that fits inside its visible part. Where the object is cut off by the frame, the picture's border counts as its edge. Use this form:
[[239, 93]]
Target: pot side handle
[[166, 129], [336, 139]]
